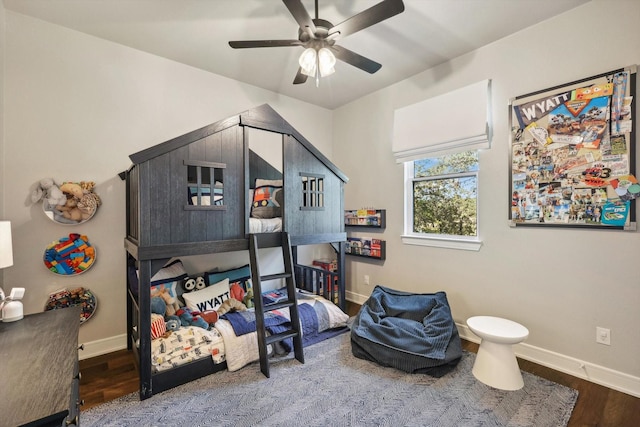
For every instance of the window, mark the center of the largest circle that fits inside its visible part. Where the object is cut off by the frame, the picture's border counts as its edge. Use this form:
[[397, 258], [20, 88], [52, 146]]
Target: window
[[205, 185], [441, 202], [312, 191]]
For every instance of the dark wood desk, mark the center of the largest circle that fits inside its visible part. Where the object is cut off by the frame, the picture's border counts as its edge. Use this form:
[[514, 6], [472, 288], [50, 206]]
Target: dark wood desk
[[39, 369]]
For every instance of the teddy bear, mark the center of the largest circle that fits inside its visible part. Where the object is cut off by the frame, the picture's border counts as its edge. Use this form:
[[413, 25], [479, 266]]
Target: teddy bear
[[48, 190], [81, 202], [70, 210], [171, 302]]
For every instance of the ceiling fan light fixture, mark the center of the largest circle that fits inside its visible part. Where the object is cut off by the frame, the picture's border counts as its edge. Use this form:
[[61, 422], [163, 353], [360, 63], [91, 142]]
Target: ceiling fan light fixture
[[326, 61], [308, 61]]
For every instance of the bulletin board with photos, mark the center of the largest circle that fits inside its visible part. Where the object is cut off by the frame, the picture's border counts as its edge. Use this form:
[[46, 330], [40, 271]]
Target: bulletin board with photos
[[573, 154]]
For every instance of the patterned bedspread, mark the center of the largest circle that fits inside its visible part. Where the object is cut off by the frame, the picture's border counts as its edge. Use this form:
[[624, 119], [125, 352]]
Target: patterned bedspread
[[234, 338], [318, 316], [186, 345]]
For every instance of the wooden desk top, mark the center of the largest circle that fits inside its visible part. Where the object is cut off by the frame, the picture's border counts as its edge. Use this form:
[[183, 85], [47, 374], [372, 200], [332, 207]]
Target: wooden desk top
[[38, 361]]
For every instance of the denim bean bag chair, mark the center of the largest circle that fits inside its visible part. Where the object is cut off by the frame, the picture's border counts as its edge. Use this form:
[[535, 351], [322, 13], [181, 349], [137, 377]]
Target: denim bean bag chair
[[411, 332]]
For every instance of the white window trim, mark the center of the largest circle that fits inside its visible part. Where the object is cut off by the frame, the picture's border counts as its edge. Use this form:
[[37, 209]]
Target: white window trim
[[437, 240]]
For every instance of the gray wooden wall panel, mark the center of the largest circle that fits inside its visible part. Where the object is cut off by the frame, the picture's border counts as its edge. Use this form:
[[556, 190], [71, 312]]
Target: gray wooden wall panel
[[299, 222], [178, 217], [145, 204], [232, 220], [161, 202]]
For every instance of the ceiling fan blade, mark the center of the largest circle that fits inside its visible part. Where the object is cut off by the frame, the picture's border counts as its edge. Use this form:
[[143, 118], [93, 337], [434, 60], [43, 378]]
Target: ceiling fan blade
[[300, 78], [243, 44], [356, 60], [383, 10], [300, 14]]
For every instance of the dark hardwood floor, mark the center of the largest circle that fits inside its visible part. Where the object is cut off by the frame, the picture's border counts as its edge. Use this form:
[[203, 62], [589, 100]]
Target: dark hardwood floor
[[113, 375]]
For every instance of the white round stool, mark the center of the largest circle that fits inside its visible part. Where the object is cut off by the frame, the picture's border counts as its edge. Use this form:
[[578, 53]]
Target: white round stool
[[496, 364]]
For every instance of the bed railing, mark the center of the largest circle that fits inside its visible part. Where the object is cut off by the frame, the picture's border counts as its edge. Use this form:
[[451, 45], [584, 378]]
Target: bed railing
[[318, 281]]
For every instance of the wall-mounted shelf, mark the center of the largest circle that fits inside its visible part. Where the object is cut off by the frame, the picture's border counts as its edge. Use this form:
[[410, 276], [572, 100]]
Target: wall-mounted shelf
[[373, 218], [366, 247]]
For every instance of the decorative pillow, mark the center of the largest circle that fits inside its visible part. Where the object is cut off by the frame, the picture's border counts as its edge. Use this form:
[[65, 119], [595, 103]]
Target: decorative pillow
[[240, 275], [170, 287], [267, 199], [205, 195], [158, 326], [208, 298], [172, 272]]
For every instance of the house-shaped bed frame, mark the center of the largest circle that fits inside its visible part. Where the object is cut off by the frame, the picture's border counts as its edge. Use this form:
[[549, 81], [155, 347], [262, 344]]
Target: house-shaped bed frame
[[166, 216]]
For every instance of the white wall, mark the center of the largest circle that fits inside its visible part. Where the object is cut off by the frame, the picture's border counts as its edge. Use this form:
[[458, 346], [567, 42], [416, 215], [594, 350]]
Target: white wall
[[561, 284], [2, 49], [75, 108]]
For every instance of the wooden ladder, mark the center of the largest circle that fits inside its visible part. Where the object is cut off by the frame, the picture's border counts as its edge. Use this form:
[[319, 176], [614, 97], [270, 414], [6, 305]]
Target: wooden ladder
[[274, 240]]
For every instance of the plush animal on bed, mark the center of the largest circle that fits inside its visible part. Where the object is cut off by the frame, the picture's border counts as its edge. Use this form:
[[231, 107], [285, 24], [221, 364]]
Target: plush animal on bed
[[248, 298], [231, 304], [173, 305], [159, 306], [189, 318], [172, 323]]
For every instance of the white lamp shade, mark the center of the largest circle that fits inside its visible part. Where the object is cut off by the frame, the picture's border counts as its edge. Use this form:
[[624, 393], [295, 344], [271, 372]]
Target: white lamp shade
[[327, 60], [307, 61], [6, 251]]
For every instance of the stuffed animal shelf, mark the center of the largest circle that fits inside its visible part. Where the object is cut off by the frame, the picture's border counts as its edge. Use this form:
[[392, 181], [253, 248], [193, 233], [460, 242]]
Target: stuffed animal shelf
[[69, 203]]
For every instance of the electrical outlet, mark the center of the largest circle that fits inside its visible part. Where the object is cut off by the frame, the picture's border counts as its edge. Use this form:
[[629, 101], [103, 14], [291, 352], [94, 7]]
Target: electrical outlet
[[366, 279], [603, 335]]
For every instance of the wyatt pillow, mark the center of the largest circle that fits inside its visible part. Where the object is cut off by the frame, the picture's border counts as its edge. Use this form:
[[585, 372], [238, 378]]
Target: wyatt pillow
[[209, 298]]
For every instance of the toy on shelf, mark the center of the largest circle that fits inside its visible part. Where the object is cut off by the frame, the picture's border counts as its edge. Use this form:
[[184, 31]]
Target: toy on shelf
[[70, 255], [71, 203], [83, 297]]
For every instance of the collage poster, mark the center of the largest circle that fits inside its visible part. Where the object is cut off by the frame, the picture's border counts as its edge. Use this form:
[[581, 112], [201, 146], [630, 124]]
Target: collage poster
[[572, 154]]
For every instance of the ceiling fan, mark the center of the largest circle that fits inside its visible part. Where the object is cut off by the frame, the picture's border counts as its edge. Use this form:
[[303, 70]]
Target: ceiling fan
[[319, 38]]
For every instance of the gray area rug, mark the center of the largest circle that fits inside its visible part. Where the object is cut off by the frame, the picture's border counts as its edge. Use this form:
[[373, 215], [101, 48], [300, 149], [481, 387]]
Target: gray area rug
[[333, 388]]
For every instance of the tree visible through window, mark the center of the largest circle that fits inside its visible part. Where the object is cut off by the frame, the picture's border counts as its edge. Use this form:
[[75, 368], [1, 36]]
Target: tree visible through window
[[444, 194]]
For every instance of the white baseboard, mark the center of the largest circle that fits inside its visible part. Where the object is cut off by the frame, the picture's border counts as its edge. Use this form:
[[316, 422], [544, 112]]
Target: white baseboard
[[103, 346], [597, 374], [357, 298]]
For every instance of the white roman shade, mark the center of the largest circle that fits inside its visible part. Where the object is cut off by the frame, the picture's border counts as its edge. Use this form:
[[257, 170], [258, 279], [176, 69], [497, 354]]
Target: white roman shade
[[455, 121]]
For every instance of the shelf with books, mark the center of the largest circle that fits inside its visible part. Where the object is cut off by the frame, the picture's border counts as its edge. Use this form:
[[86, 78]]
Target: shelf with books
[[366, 247], [374, 218]]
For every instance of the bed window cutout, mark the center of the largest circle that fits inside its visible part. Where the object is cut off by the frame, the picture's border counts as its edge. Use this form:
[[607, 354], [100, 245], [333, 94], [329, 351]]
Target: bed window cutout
[[312, 191], [205, 185]]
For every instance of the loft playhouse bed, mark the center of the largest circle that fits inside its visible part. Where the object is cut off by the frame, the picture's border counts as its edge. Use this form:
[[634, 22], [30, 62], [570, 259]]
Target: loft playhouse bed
[[194, 195]]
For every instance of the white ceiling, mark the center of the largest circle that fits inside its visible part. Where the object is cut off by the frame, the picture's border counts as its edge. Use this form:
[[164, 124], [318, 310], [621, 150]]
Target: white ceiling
[[196, 32]]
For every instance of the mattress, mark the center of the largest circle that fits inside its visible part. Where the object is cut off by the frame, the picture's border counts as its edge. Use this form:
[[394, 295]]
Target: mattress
[[265, 225]]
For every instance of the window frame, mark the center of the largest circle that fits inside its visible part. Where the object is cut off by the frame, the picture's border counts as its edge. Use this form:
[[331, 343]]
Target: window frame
[[313, 197], [409, 237], [212, 166]]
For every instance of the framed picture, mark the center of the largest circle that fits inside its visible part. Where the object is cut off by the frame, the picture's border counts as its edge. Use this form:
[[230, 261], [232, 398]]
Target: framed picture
[[572, 154]]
